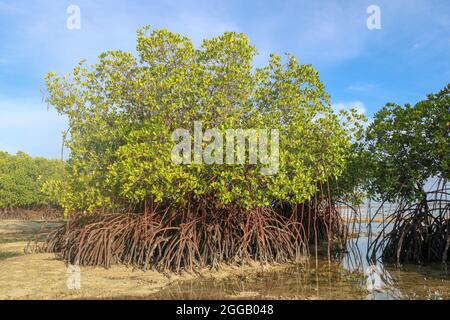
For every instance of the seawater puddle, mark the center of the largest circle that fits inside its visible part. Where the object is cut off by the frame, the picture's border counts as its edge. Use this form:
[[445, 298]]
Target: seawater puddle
[[387, 282], [351, 277], [297, 282]]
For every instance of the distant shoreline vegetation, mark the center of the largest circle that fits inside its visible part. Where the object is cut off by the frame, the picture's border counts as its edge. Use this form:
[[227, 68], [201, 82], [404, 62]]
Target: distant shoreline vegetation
[[25, 181]]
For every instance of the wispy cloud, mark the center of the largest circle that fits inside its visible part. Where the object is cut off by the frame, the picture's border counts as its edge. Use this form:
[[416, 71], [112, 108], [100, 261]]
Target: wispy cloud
[[359, 106]]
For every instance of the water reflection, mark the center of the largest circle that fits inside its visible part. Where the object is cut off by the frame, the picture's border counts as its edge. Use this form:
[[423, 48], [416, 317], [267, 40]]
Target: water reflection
[[388, 282], [351, 276], [377, 280]]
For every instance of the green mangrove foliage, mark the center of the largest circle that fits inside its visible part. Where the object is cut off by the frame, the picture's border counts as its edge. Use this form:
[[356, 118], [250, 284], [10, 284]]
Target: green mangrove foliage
[[406, 146], [22, 180], [123, 110]]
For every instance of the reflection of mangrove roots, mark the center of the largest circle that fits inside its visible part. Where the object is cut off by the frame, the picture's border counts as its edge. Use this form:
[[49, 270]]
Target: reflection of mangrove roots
[[420, 232], [171, 240]]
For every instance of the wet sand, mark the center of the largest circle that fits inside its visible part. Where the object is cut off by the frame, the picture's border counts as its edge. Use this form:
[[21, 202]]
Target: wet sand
[[43, 276]]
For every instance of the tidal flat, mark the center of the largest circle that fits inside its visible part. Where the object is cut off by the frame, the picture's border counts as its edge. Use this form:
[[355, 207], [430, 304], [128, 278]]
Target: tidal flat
[[28, 275]]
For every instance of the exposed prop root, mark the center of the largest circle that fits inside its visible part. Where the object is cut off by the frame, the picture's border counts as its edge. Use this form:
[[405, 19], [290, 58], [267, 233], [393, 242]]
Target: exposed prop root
[[420, 232], [194, 237]]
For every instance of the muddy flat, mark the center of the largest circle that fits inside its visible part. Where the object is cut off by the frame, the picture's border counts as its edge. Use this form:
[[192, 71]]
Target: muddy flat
[[25, 275], [43, 276]]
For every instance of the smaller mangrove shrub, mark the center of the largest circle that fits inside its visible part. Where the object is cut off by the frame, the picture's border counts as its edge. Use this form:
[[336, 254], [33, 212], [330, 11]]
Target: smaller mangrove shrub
[[123, 112], [406, 148]]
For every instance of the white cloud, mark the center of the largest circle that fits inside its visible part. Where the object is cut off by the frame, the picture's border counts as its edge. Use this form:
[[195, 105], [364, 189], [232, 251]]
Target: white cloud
[[359, 106], [199, 26]]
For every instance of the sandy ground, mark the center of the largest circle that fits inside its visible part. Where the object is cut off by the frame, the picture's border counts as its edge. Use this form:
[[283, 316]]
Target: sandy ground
[[42, 276]]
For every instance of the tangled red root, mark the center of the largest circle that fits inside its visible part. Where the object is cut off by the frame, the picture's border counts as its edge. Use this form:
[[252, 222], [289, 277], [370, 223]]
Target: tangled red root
[[171, 239], [420, 232]]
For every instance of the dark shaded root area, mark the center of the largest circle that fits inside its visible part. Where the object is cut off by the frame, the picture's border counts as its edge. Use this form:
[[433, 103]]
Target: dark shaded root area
[[173, 240], [420, 232], [318, 221]]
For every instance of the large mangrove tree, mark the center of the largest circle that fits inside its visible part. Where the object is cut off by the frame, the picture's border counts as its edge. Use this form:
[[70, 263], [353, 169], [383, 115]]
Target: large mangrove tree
[[122, 113]]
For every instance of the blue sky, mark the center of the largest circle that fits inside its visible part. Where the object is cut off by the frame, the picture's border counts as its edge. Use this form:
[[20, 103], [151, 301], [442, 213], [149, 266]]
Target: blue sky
[[401, 62]]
